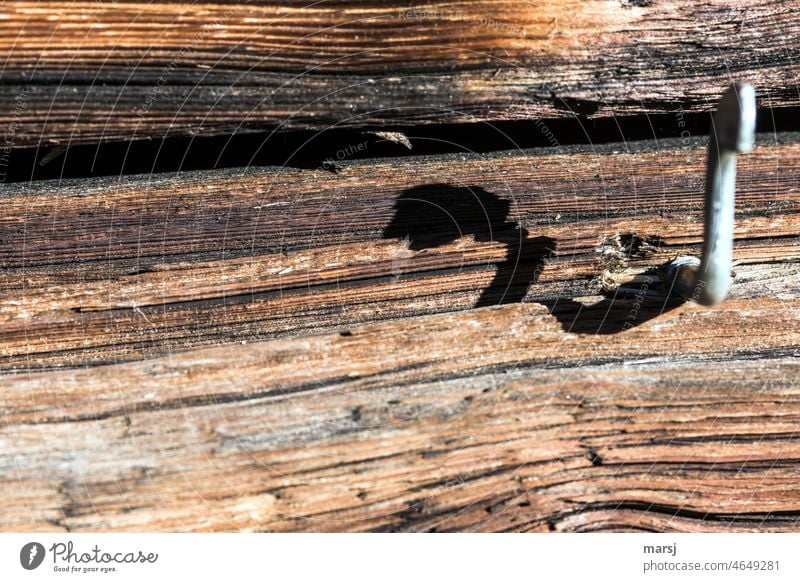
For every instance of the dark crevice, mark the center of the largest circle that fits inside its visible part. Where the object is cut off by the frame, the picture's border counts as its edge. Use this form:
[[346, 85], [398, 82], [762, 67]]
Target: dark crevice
[[326, 149], [658, 509], [760, 355], [687, 513]]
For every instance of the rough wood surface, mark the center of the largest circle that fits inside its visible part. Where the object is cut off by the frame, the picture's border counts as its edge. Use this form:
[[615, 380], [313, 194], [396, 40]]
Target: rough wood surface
[[89, 71], [359, 388], [108, 270], [488, 420]]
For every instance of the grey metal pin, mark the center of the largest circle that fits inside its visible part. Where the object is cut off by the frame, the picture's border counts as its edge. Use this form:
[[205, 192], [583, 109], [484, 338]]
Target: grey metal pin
[[708, 280]]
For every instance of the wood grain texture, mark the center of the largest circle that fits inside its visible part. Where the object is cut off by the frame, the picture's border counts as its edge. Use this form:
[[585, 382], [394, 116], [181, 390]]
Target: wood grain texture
[[80, 72], [487, 420], [109, 270], [360, 389]]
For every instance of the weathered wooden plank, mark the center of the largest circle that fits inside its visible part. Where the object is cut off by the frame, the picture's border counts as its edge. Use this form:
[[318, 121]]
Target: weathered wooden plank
[[393, 393], [109, 270], [78, 72], [491, 419]]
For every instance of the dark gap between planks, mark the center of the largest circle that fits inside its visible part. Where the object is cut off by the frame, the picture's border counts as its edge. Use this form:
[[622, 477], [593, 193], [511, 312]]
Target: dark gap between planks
[[323, 150]]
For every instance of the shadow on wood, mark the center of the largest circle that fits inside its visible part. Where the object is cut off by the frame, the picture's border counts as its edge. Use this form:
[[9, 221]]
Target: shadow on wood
[[610, 315], [433, 215]]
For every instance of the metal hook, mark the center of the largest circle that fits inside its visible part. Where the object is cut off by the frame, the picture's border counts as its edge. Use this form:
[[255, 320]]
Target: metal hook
[[707, 281]]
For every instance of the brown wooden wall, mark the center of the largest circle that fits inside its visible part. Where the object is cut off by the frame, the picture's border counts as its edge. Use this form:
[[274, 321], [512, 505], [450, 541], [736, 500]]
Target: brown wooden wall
[[450, 342], [89, 71]]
